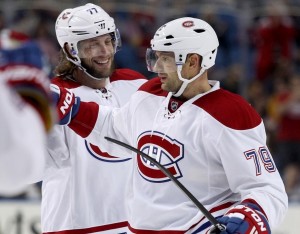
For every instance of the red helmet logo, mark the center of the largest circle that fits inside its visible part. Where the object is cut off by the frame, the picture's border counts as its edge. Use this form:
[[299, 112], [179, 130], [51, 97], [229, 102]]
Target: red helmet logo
[[188, 23], [65, 15]]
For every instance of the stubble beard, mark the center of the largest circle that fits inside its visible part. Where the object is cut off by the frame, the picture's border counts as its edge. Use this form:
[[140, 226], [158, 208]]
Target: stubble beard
[[99, 74], [170, 86]]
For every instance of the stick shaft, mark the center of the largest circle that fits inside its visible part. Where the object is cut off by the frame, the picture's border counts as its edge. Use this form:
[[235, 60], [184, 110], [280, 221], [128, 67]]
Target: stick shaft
[[206, 213]]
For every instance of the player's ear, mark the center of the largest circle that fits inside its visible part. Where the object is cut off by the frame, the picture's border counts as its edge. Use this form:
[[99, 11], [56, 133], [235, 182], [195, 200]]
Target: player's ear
[[69, 52], [194, 61]]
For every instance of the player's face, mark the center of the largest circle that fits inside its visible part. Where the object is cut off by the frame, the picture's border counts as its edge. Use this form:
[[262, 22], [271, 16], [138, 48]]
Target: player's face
[[166, 68], [97, 55]]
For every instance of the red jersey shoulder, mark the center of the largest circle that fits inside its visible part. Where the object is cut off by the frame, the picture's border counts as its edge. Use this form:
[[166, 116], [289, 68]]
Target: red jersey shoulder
[[230, 109], [66, 83], [153, 86], [126, 74]]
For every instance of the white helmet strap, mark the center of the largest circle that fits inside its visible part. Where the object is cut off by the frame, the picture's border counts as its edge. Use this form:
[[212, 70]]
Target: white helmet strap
[[185, 81]]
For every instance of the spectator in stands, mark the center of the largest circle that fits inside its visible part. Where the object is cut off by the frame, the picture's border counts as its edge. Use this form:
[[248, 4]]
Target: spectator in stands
[[273, 38], [47, 42], [288, 138], [257, 97]]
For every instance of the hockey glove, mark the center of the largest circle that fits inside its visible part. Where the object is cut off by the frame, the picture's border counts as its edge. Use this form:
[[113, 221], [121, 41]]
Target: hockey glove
[[245, 218], [67, 105], [32, 84]]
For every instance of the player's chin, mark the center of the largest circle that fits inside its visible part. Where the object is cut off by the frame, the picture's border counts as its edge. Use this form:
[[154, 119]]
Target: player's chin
[[104, 72], [101, 67], [165, 87]]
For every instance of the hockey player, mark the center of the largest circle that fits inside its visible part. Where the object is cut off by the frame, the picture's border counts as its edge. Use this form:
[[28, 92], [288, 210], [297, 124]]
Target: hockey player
[[211, 140], [27, 113], [23, 121], [74, 200]]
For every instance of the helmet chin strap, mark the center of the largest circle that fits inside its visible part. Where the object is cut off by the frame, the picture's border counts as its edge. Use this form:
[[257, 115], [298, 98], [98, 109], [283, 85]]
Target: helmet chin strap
[[78, 64], [88, 74], [185, 81]]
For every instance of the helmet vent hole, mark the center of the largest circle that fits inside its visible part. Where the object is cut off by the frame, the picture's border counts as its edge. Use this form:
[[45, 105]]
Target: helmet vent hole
[[80, 32], [200, 30], [168, 44], [169, 37], [213, 51]]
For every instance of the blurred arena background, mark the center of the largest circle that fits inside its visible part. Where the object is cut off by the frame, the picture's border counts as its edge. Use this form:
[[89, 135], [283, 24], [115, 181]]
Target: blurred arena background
[[258, 57]]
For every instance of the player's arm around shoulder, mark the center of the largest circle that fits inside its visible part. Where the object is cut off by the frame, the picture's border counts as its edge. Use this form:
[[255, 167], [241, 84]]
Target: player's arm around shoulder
[[89, 119]]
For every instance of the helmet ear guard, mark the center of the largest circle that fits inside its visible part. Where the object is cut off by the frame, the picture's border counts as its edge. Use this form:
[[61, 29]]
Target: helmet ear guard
[[208, 60]]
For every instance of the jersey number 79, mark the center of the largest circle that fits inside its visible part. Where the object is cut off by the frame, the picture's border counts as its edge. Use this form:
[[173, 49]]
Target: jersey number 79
[[262, 156]]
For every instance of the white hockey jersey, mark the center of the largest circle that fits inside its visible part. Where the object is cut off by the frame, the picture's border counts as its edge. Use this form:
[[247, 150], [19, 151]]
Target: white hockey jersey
[[214, 144], [22, 142], [80, 194]]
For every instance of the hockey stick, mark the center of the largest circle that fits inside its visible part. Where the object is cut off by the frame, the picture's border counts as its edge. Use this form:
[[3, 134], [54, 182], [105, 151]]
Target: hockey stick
[[218, 227]]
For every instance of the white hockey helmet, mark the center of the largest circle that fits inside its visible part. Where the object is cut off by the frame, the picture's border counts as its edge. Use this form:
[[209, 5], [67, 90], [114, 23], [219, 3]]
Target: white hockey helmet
[[81, 23], [185, 36]]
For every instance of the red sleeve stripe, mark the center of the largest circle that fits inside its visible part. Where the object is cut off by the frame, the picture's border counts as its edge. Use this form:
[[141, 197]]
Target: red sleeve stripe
[[255, 203], [92, 229], [85, 120]]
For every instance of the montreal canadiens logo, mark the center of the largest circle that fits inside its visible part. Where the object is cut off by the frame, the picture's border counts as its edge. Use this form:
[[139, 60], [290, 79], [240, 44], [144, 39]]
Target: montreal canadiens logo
[[165, 150], [98, 154], [188, 24]]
